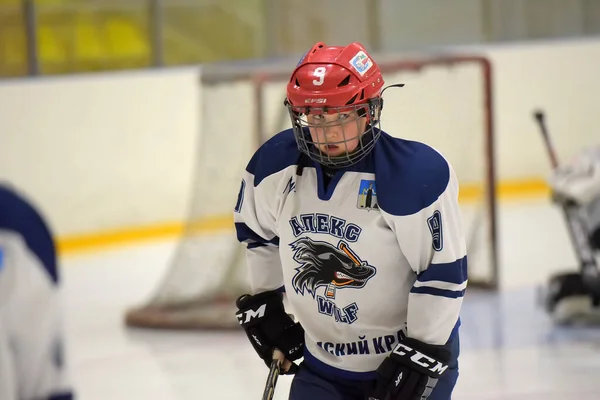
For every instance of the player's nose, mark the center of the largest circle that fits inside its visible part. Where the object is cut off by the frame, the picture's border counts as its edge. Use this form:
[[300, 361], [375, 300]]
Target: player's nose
[[333, 132]]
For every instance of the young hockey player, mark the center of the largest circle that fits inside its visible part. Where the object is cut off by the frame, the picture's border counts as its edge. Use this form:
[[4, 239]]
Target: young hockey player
[[363, 233], [32, 365]]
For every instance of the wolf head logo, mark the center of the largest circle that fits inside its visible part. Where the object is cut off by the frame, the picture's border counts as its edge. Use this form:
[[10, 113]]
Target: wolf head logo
[[322, 264]]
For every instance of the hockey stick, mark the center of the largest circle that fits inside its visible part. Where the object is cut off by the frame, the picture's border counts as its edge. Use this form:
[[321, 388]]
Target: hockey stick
[[274, 372], [541, 120], [577, 230]]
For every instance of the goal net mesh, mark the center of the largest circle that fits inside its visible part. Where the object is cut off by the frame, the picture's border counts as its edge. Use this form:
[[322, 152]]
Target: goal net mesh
[[446, 102]]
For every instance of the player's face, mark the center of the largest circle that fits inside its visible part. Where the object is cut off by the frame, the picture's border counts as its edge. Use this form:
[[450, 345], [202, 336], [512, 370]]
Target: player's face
[[336, 134]]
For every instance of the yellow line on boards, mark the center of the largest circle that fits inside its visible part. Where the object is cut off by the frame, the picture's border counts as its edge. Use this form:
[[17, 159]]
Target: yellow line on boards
[[523, 189], [110, 238], [508, 190], [118, 237]]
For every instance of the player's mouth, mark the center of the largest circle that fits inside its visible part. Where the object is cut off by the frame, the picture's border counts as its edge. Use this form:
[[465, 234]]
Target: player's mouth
[[331, 149]]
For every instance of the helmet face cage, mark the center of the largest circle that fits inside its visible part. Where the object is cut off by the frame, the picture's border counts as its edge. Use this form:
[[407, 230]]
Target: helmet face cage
[[364, 115]]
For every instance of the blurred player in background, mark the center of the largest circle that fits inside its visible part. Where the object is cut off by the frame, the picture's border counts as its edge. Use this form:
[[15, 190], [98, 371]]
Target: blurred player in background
[[32, 364], [576, 185], [363, 233], [579, 181]]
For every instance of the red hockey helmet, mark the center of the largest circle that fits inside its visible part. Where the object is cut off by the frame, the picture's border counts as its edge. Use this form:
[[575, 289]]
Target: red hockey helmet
[[334, 80]]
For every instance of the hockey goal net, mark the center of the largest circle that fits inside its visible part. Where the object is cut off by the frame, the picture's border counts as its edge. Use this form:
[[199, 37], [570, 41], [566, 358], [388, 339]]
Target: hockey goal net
[[446, 102]]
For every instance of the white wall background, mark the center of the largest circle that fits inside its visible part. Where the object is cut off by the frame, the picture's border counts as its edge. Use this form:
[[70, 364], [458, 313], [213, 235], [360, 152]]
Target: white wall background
[[563, 78], [102, 151], [109, 151]]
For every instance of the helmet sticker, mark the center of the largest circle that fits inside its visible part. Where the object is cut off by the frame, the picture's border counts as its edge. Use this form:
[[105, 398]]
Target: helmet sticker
[[361, 62]]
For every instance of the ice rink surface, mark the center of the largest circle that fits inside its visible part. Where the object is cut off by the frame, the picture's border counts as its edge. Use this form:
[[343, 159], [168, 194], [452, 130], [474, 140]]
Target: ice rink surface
[[510, 349]]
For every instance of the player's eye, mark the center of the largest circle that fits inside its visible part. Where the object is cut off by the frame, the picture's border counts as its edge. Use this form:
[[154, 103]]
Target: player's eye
[[345, 118], [320, 119]]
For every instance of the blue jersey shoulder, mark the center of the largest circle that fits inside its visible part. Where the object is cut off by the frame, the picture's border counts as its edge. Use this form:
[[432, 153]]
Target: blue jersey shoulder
[[277, 153], [410, 175], [19, 216]]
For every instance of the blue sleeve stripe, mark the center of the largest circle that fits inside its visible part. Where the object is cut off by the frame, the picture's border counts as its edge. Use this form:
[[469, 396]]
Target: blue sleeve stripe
[[451, 294], [453, 272], [245, 234]]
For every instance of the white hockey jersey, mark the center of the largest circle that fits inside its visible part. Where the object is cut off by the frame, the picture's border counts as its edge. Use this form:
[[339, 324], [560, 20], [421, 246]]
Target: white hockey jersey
[[376, 254], [32, 365]]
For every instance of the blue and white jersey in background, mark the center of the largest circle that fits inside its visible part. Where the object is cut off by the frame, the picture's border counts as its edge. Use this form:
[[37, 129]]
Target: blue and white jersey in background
[[32, 365], [376, 254]]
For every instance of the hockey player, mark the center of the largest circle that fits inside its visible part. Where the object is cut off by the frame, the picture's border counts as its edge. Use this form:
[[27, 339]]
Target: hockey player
[[32, 365], [579, 182], [363, 233], [575, 296]]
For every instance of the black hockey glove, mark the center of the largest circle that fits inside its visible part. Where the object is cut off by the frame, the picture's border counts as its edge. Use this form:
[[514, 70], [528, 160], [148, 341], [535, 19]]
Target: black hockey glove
[[411, 371], [269, 327]]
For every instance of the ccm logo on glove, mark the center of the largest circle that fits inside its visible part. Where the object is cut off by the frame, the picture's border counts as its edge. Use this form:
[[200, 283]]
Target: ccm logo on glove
[[421, 359], [251, 314]]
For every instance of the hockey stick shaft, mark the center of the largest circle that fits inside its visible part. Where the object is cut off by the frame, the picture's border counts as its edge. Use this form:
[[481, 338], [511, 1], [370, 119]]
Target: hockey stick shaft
[[541, 120], [274, 372]]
